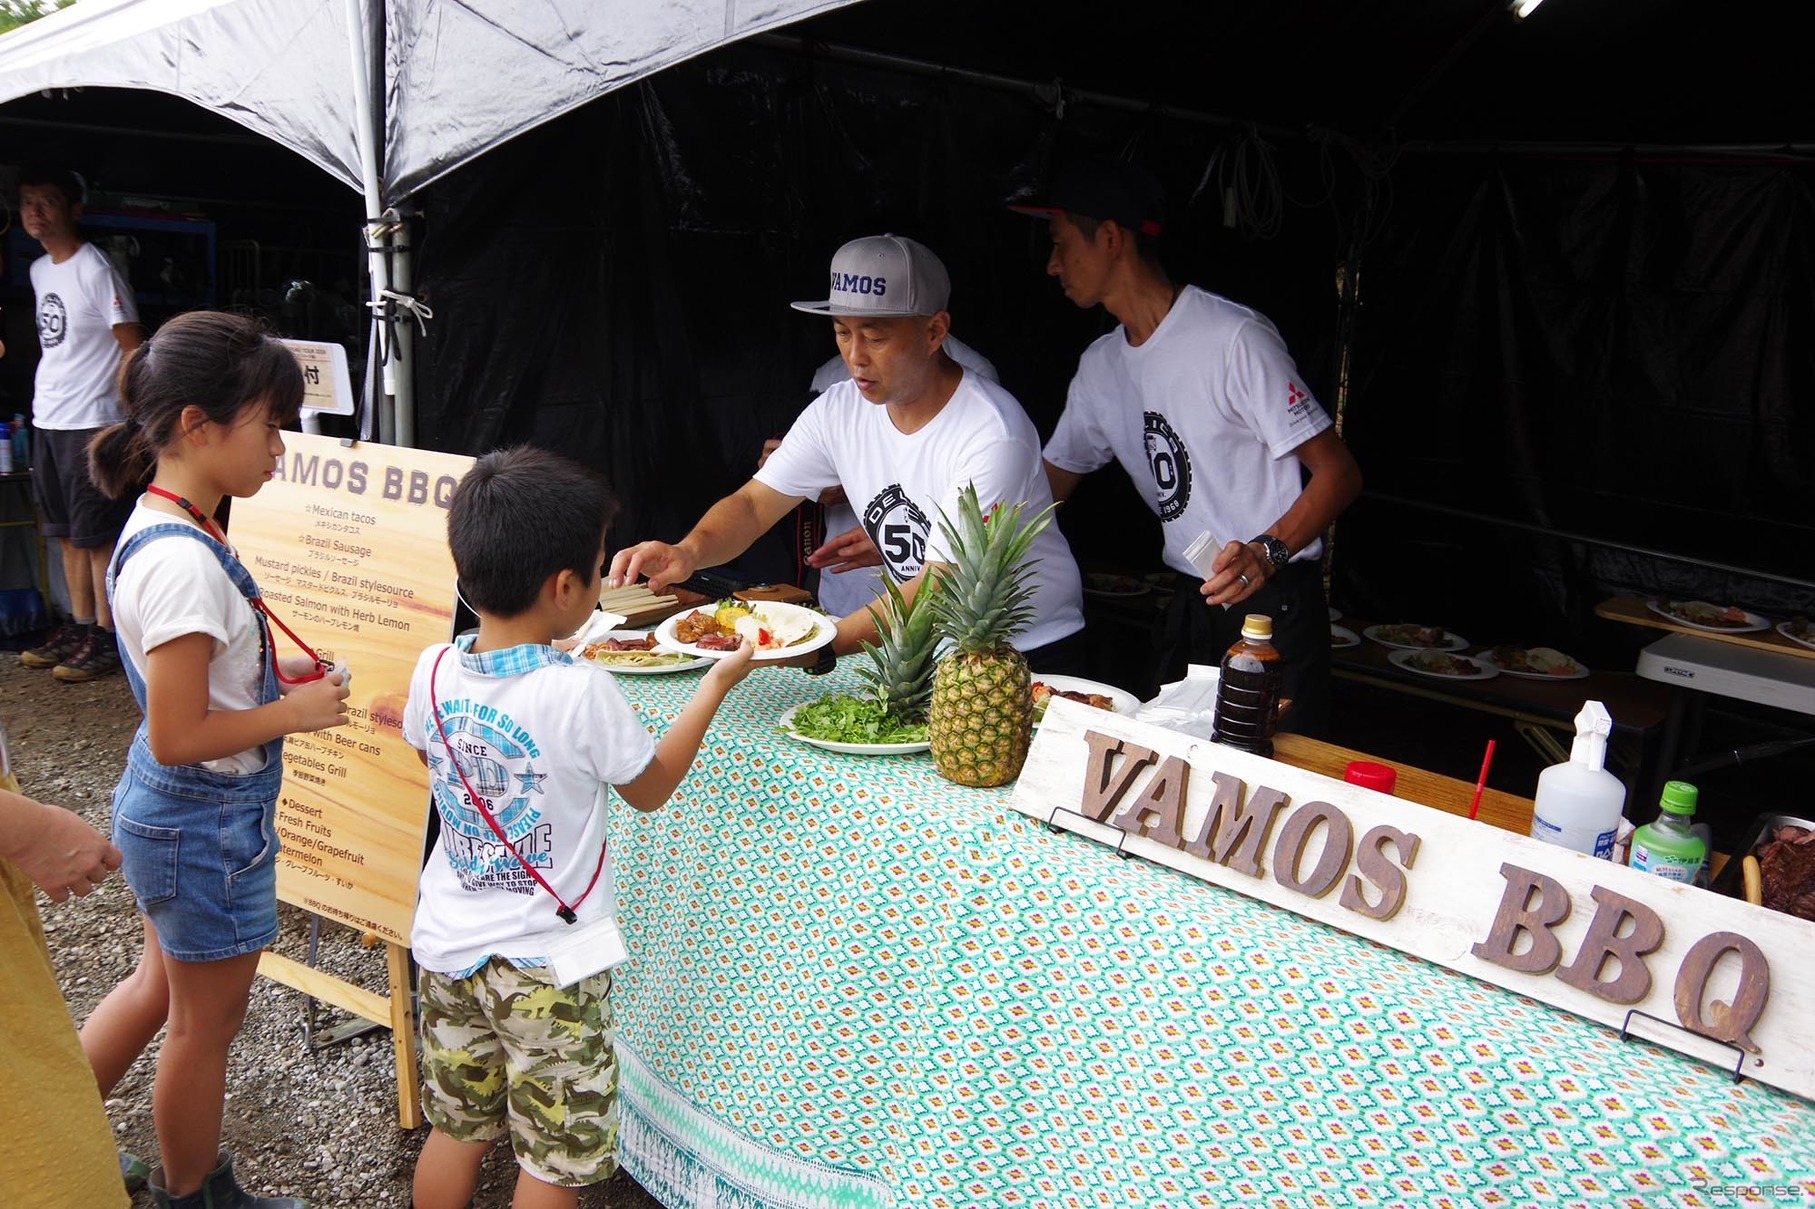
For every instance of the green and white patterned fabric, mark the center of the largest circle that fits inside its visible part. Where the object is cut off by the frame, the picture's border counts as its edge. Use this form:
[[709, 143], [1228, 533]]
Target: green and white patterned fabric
[[855, 983]]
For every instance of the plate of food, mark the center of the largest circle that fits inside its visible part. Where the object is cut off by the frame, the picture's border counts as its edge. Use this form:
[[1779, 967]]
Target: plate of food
[[1096, 584], [637, 653], [855, 726], [1342, 636], [1799, 630], [780, 631], [1534, 663], [1442, 665], [1415, 637], [1700, 615], [1093, 693]]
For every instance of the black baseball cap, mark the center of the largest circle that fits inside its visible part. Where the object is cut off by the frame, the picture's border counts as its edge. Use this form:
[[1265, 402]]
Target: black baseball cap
[[1102, 188]]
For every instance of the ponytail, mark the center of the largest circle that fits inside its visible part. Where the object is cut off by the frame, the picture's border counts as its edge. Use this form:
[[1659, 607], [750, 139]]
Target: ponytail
[[120, 460]]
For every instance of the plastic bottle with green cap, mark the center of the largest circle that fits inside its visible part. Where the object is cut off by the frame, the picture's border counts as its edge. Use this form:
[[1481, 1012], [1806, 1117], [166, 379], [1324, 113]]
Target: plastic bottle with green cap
[[1668, 847]]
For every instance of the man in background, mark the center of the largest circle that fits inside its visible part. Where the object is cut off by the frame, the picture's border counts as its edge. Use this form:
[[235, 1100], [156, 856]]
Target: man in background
[[1198, 399], [87, 321]]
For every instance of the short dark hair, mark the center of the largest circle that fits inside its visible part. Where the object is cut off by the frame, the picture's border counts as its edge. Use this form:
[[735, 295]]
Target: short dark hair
[[519, 516], [220, 362], [47, 176], [1146, 246]]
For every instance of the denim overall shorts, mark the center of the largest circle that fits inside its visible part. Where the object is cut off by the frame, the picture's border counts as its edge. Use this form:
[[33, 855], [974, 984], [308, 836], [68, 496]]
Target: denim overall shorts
[[200, 847]]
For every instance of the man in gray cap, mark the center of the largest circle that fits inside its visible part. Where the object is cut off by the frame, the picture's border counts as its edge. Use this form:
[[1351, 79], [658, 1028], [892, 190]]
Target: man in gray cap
[[904, 434]]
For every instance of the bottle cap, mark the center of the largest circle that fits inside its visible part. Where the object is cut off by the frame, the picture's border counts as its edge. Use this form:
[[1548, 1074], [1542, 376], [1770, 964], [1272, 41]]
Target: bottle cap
[[1679, 797], [1257, 625], [1370, 775]]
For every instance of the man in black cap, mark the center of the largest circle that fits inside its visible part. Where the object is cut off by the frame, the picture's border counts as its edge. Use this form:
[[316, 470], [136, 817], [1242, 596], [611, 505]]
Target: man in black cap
[[1201, 403]]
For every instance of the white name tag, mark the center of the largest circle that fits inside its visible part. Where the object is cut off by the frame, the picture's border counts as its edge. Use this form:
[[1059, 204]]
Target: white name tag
[[583, 950]]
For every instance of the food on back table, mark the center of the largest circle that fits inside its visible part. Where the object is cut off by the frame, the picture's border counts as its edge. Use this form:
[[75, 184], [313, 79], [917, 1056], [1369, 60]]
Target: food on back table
[[1535, 661], [1439, 664], [1412, 635], [1697, 612]]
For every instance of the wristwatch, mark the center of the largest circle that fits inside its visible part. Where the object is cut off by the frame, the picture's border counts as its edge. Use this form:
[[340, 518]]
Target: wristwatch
[[828, 659], [1274, 550]]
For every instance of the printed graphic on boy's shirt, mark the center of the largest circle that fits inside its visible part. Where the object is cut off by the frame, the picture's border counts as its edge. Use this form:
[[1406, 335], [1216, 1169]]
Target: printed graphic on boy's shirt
[[497, 759]]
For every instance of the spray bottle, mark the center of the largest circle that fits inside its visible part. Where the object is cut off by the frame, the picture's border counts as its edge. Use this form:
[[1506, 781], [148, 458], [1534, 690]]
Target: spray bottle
[[1578, 803]]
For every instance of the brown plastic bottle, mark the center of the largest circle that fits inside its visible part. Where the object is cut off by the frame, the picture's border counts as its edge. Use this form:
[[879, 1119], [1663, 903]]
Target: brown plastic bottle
[[1247, 695]]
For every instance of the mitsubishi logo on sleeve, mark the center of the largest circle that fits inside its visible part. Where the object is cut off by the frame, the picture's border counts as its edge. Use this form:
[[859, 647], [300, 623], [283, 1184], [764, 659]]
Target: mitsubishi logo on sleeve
[[1295, 395]]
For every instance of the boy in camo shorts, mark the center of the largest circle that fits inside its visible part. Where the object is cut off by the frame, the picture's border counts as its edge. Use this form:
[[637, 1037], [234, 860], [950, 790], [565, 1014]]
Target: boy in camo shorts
[[515, 922]]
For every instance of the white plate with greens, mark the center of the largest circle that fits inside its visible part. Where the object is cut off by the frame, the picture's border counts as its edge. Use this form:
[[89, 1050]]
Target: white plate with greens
[[849, 724]]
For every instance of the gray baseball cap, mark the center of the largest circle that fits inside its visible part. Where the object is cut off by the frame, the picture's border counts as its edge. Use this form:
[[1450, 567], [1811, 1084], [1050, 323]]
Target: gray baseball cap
[[884, 277]]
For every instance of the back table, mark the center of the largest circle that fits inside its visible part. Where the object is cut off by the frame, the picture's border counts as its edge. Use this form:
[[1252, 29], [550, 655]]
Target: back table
[[854, 983]]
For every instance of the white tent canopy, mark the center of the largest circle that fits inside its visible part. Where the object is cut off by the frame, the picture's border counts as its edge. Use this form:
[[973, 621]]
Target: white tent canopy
[[459, 75]]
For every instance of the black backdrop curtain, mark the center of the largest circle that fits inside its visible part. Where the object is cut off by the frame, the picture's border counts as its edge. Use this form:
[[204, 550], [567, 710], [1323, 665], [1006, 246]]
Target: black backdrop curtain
[[1614, 348], [1610, 347]]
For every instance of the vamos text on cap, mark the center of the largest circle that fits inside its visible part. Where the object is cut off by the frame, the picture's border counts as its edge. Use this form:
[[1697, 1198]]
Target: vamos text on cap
[[882, 277]]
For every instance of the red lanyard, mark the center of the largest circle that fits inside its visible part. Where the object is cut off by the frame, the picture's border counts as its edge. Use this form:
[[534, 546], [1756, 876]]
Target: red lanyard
[[209, 527], [565, 909]]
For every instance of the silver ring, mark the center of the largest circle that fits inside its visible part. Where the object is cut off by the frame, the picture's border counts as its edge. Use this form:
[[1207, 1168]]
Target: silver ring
[[1243, 578]]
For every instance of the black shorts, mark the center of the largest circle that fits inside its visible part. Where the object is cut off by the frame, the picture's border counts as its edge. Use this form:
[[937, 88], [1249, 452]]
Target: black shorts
[[70, 506]]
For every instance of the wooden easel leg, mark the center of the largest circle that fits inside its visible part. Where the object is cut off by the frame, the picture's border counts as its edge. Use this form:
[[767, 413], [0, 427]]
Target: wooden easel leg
[[403, 1037]]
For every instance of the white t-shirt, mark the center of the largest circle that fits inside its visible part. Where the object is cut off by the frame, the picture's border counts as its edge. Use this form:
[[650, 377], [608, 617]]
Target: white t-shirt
[[1204, 417], [898, 483], [844, 592], [79, 302], [173, 586], [539, 736]]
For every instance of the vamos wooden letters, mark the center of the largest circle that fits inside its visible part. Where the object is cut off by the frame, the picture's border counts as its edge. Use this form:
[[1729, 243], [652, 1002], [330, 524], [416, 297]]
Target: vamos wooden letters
[[1709, 976]]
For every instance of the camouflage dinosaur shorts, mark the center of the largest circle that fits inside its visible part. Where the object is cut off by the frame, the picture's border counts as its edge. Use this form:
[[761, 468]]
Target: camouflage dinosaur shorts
[[504, 1049]]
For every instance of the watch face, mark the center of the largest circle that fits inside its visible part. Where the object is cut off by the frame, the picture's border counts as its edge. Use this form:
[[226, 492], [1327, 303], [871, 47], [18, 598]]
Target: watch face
[[1277, 551]]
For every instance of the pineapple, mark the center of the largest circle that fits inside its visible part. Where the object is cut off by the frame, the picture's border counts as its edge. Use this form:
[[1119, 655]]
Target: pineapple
[[981, 717], [902, 671]]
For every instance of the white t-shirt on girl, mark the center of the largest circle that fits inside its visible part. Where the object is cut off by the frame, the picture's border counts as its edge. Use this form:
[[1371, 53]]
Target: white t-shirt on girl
[[1203, 416], [174, 586], [539, 737], [898, 483]]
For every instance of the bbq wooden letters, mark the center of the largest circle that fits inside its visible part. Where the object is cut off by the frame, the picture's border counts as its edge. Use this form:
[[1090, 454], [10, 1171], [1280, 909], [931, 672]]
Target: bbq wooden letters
[[1698, 972]]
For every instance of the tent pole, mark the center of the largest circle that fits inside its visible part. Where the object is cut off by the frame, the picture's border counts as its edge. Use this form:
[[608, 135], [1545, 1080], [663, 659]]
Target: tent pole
[[365, 135]]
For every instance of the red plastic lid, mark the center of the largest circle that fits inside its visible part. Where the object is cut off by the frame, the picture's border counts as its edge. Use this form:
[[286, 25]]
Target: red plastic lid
[[1370, 775]]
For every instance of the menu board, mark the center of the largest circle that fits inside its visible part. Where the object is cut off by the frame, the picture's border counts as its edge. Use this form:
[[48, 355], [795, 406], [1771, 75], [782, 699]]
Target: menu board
[[348, 544]]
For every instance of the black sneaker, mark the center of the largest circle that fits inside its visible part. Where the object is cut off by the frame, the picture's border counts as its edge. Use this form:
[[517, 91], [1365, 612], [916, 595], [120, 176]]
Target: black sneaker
[[97, 656], [61, 645]]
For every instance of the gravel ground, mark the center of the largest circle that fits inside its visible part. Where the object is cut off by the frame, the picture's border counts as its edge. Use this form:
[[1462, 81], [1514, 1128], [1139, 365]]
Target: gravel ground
[[312, 1121]]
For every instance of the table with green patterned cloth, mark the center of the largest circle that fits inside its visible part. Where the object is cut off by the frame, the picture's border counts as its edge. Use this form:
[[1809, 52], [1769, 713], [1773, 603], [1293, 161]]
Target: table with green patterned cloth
[[855, 983]]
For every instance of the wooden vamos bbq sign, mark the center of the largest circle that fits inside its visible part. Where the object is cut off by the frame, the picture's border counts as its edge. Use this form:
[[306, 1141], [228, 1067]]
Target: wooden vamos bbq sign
[[349, 547], [1713, 977]]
